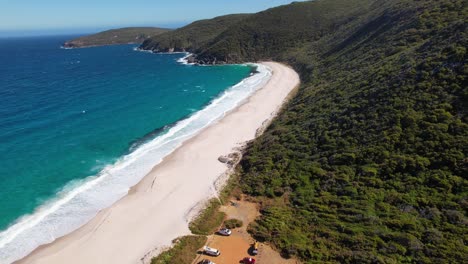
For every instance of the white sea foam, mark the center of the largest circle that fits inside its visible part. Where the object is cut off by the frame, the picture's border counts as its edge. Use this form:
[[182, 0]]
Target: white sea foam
[[142, 50], [81, 200], [184, 60]]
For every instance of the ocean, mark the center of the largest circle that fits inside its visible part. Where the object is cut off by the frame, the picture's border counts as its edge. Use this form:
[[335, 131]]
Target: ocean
[[79, 127]]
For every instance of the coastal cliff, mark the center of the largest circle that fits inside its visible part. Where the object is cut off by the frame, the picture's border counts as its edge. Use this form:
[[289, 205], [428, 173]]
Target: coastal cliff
[[368, 163], [129, 35], [193, 36]]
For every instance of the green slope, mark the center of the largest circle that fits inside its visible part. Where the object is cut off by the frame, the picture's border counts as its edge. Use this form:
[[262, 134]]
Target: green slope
[[368, 163], [129, 35], [193, 36], [275, 32]]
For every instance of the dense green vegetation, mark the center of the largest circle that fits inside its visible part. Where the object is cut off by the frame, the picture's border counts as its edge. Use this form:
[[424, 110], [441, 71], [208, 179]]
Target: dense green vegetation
[[184, 251], [368, 162], [193, 36], [129, 35], [209, 220], [233, 223], [274, 33], [371, 154]]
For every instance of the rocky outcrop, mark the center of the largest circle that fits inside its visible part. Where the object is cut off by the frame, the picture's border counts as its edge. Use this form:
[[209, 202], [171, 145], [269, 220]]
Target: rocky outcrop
[[231, 159], [167, 50]]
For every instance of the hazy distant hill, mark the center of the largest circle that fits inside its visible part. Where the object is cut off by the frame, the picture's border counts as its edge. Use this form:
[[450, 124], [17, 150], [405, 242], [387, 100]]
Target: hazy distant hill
[[127, 35], [368, 162], [193, 36]]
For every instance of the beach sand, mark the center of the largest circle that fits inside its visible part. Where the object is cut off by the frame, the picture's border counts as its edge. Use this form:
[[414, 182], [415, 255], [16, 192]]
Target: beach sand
[[158, 209]]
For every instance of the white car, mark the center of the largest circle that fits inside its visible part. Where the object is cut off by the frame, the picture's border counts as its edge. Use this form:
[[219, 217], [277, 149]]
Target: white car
[[225, 232], [211, 251]]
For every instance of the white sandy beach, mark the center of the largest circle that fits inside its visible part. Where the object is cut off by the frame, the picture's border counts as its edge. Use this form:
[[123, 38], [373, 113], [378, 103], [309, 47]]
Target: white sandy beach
[[158, 209]]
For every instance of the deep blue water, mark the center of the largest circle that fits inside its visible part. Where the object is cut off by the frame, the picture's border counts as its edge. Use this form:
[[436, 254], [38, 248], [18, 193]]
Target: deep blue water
[[66, 114]]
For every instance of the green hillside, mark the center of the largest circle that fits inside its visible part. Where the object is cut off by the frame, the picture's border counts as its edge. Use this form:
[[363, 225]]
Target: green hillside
[[275, 32], [368, 162], [193, 36], [129, 35]]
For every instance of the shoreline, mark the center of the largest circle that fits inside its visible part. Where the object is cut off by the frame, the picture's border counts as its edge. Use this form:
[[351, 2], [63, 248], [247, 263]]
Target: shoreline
[[159, 207], [79, 202]]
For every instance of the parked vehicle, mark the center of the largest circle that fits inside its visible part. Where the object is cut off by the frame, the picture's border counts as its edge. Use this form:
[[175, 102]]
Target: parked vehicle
[[225, 232], [206, 261], [211, 251], [255, 248], [248, 260]]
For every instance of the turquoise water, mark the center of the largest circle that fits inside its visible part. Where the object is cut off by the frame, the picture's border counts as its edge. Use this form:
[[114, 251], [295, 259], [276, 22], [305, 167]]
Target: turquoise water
[[66, 115]]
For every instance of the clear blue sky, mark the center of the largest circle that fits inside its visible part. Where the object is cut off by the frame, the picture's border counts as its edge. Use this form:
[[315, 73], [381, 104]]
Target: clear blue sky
[[49, 16]]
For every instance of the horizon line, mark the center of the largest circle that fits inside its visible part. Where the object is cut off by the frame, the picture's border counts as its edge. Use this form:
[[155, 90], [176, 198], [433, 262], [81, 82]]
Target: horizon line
[[14, 33]]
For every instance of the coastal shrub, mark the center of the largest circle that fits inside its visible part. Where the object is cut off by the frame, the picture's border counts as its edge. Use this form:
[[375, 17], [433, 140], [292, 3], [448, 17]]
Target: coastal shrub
[[183, 251], [231, 189], [209, 220], [233, 223]]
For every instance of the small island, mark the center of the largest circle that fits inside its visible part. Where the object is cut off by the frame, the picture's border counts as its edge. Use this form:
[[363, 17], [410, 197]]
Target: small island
[[128, 35]]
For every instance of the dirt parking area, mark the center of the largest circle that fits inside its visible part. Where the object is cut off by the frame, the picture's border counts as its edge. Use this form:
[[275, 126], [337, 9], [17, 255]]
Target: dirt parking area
[[235, 247]]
